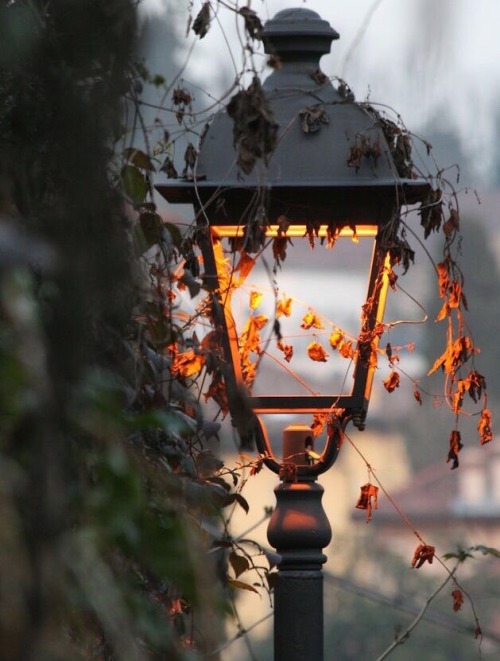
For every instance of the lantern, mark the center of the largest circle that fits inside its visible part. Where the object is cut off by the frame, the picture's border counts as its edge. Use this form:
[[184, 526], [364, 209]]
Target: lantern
[[290, 163]]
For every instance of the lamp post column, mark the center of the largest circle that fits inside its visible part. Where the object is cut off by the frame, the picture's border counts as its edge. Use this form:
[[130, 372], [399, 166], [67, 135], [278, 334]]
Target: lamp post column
[[299, 531]]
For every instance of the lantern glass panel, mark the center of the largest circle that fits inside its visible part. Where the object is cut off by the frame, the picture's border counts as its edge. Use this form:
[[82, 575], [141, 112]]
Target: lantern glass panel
[[294, 324]]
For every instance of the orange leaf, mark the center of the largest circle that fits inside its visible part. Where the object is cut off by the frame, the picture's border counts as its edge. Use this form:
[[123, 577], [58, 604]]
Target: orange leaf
[[284, 307], [392, 382], [336, 339], [255, 299], [346, 350], [250, 337], [316, 352], [443, 277], [188, 363], [417, 395], [484, 427], [311, 320], [245, 265], [287, 350]]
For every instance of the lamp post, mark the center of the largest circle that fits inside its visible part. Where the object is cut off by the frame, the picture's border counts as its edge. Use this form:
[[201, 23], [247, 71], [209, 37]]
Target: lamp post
[[297, 160]]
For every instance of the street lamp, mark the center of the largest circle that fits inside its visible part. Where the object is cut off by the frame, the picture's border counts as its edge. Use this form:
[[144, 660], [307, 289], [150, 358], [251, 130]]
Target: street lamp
[[297, 160]]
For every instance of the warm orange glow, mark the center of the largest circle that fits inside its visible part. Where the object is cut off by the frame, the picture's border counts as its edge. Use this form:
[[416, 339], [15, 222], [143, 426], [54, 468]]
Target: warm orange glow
[[294, 231], [384, 286]]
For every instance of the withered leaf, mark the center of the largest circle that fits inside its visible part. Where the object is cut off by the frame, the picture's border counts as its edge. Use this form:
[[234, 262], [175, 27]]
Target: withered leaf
[[484, 427], [287, 350], [316, 352], [455, 447], [253, 24], [255, 130], [255, 299], [336, 339], [392, 381], [202, 21], [346, 349], [284, 307], [311, 320], [169, 168], [458, 599], [368, 500], [312, 117], [423, 553], [188, 363]]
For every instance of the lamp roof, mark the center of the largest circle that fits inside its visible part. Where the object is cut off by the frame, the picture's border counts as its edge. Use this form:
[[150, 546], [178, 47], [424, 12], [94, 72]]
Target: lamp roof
[[324, 139]]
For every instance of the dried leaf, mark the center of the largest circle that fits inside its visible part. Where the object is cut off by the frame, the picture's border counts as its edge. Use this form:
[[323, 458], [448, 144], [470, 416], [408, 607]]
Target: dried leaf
[[484, 427], [253, 24], [417, 395], [244, 266], [288, 472], [239, 563], [202, 21], [455, 447], [217, 391], [458, 600], [336, 339], [452, 225], [346, 349], [169, 168], [287, 350], [392, 381], [312, 117], [311, 320], [255, 299], [188, 363], [284, 307], [316, 352], [250, 337], [255, 130], [368, 500], [423, 553], [240, 585]]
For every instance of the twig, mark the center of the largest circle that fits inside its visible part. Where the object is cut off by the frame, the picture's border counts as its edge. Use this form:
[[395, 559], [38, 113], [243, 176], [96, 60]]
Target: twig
[[402, 638]]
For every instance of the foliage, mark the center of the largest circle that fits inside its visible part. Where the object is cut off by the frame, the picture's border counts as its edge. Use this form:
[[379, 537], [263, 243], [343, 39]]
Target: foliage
[[117, 541]]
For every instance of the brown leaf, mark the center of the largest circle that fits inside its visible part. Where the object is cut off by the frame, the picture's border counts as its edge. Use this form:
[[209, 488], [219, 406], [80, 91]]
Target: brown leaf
[[417, 396], [455, 447], [253, 23], [392, 381], [287, 350], [458, 600], [484, 427], [202, 21], [312, 117], [239, 563], [368, 500], [316, 352], [423, 553], [240, 585], [452, 225]]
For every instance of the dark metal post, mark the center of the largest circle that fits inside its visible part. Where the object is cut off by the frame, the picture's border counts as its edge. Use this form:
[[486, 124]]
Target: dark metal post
[[299, 531]]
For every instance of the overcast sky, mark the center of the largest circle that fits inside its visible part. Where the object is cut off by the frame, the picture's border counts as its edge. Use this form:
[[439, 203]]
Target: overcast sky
[[434, 61]]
